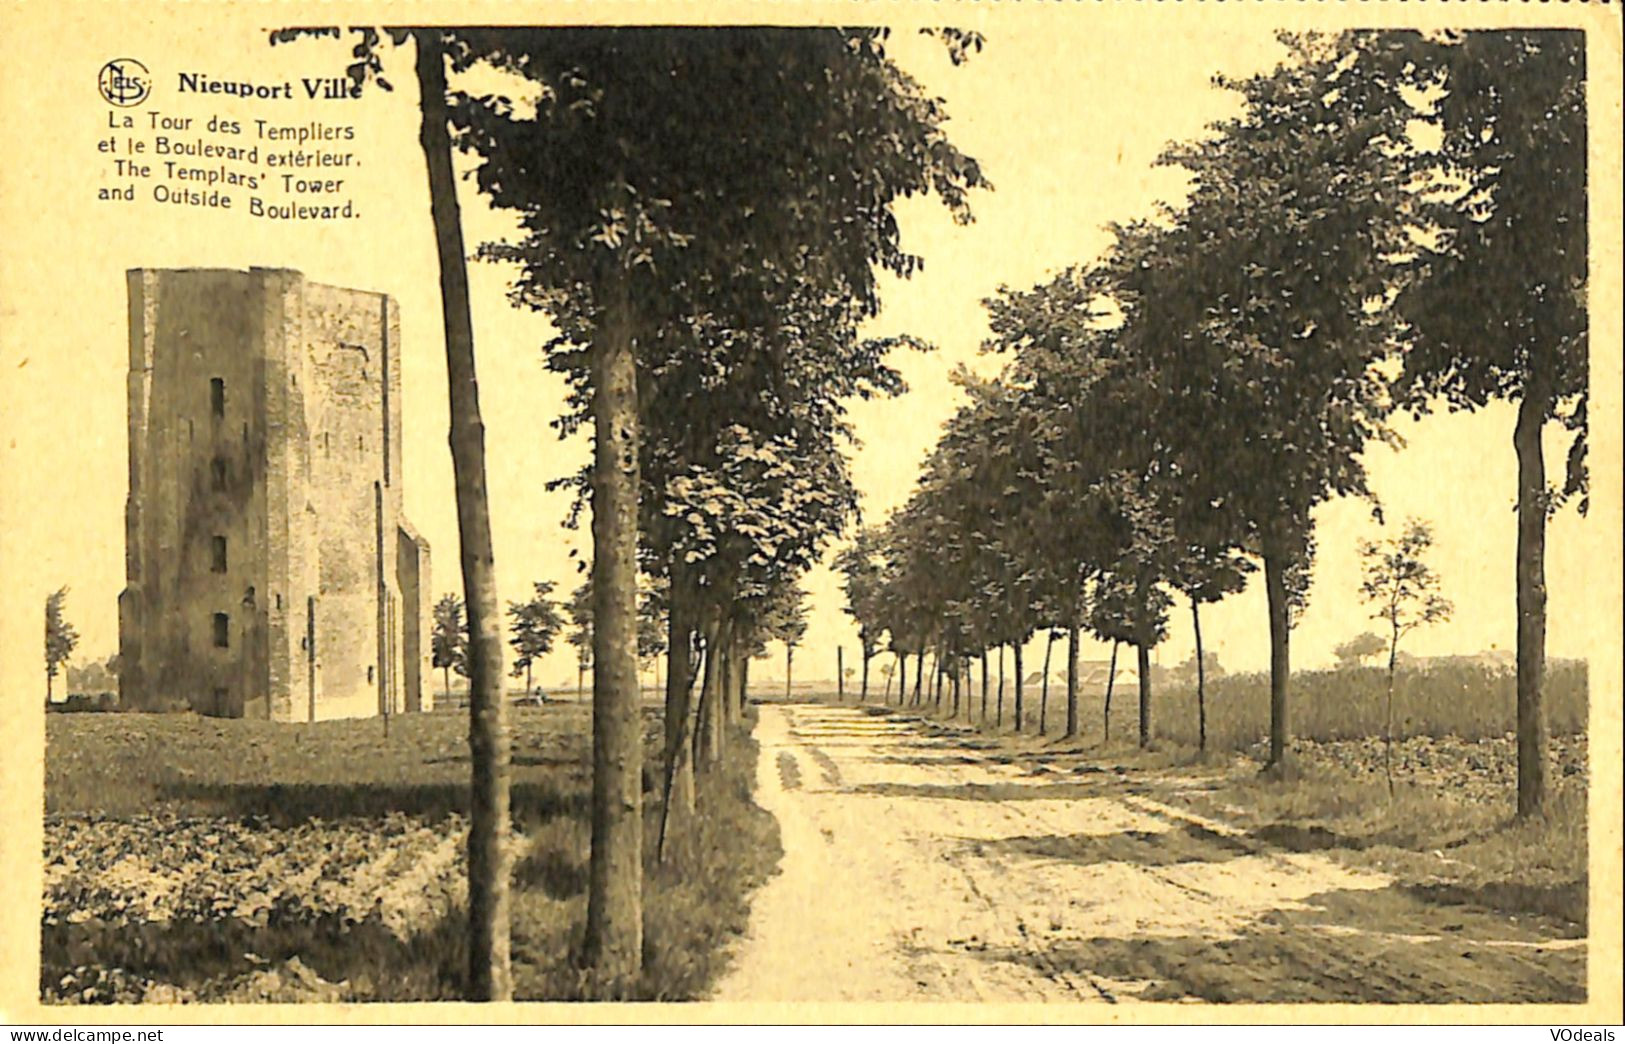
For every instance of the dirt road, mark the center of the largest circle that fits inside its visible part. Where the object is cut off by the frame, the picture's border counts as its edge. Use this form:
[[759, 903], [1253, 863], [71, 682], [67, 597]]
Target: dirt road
[[919, 868]]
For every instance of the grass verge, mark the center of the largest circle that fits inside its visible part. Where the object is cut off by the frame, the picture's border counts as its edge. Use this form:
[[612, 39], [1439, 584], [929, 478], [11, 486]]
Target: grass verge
[[695, 904]]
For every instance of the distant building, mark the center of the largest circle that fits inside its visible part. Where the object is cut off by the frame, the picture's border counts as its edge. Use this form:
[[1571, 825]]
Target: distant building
[[270, 570]]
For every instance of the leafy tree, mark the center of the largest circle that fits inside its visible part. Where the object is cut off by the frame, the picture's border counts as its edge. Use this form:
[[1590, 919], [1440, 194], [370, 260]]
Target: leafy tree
[[1257, 313], [862, 575], [1500, 310], [448, 643], [60, 637], [988, 516], [1405, 592], [1109, 622], [786, 622], [533, 626], [580, 611], [1205, 574], [1146, 559], [1062, 378], [1359, 649], [645, 204], [651, 625]]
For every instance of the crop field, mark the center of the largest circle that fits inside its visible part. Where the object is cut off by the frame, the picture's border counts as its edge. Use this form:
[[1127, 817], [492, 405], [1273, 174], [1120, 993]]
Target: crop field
[[202, 860], [1467, 702]]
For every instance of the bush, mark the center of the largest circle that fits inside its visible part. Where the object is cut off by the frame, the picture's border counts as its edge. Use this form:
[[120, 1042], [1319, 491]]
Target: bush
[[84, 702]]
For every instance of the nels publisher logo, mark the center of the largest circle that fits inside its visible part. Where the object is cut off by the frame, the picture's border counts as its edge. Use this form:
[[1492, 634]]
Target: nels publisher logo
[[124, 82]]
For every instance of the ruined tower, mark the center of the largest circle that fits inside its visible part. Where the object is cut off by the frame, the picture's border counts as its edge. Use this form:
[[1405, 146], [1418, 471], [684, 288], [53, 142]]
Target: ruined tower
[[271, 572]]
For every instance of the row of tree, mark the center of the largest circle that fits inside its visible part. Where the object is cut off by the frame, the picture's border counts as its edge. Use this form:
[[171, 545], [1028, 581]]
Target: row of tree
[[1174, 411], [704, 216], [534, 626]]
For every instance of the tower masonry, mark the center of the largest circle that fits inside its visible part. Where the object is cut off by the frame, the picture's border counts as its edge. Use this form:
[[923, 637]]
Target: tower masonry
[[270, 570]]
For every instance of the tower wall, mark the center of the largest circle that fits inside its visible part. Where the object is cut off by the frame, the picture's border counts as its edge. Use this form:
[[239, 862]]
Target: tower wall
[[264, 531], [195, 557]]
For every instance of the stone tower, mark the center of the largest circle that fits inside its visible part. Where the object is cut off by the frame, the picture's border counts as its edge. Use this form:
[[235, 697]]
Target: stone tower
[[271, 572]]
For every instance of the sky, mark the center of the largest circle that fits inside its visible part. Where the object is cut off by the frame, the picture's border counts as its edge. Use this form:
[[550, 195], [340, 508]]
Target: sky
[[1065, 127]]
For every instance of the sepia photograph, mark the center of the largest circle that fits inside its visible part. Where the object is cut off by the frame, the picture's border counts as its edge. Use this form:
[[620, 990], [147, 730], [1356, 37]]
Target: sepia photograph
[[815, 513]]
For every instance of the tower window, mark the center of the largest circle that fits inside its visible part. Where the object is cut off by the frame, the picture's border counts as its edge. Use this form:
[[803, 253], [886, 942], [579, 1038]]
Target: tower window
[[222, 631], [217, 396], [218, 549], [217, 472]]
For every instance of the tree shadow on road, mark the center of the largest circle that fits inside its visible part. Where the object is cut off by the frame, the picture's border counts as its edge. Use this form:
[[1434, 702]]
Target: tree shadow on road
[[1189, 843], [991, 791], [1382, 946]]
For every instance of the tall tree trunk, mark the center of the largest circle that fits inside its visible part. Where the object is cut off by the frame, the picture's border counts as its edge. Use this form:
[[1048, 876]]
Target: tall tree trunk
[[954, 678], [744, 682], [919, 672], [615, 878], [1280, 654], [840, 674], [1111, 683], [718, 712], [983, 716], [863, 685], [707, 744], [1145, 694], [1201, 678], [789, 664], [490, 977], [679, 787], [1388, 713], [1019, 686], [998, 707], [1532, 410], [1043, 689], [727, 683], [1072, 680]]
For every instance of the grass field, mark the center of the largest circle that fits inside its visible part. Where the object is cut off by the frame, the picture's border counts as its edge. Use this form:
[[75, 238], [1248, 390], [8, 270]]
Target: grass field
[[199, 859], [1465, 701]]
